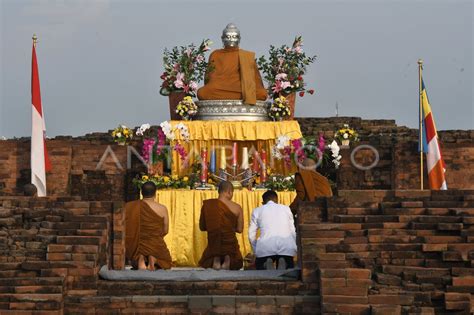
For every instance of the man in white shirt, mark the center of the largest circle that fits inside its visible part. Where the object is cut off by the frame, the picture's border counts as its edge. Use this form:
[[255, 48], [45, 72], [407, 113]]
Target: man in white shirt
[[277, 241]]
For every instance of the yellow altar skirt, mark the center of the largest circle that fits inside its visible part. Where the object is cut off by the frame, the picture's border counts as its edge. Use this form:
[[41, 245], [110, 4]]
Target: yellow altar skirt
[[185, 240], [215, 134]]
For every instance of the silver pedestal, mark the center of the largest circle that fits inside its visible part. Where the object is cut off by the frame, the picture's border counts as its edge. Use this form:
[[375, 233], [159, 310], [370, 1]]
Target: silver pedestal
[[232, 110]]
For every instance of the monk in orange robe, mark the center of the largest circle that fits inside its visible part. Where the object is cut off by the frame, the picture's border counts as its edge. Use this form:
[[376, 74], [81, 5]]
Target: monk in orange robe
[[309, 184], [222, 218], [233, 73], [146, 223]]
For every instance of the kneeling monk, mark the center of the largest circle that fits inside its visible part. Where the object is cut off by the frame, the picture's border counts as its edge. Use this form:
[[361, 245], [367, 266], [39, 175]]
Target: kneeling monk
[[309, 185], [146, 223], [222, 218]]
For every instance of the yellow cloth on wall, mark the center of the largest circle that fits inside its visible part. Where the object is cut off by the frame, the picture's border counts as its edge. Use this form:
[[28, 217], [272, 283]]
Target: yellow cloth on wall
[[214, 134], [185, 240]]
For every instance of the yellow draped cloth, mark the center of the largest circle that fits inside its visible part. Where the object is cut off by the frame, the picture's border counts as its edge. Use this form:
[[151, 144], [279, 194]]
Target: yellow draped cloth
[[214, 134], [185, 240]]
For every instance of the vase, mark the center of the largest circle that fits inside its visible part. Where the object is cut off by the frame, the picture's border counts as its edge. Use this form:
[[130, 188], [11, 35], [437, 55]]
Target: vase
[[174, 98], [291, 98], [345, 142]]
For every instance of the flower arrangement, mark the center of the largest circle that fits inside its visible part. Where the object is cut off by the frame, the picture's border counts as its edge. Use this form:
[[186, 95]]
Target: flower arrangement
[[279, 108], [285, 68], [184, 67], [164, 182], [287, 149], [157, 141], [346, 134], [122, 134], [186, 108], [280, 183]]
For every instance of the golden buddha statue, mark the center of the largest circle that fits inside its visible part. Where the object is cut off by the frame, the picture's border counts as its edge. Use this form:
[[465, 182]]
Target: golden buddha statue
[[233, 73]]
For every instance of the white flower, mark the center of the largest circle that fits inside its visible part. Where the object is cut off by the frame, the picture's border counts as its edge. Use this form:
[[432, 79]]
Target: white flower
[[142, 129], [118, 134], [282, 141], [345, 136]]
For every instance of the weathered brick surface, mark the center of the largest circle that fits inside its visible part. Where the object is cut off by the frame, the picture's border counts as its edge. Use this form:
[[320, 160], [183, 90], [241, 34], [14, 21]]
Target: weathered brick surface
[[409, 254], [76, 160]]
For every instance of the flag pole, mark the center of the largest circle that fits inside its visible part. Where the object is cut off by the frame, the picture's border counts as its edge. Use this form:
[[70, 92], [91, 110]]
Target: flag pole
[[420, 69]]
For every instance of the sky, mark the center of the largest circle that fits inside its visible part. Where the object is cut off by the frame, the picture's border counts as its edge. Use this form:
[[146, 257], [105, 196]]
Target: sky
[[100, 61]]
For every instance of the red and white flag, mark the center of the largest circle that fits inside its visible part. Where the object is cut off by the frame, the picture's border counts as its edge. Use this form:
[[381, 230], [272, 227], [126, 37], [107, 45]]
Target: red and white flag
[[40, 163]]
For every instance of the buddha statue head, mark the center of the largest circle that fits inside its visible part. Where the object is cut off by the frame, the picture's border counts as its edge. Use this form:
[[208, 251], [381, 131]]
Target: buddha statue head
[[231, 36]]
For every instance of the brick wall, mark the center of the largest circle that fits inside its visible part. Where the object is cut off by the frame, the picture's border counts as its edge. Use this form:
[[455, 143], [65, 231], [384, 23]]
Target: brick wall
[[399, 165], [75, 161]]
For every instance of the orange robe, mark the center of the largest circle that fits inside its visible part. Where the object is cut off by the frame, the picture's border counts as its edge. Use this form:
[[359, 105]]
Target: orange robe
[[220, 224], [309, 185], [144, 234], [233, 75]]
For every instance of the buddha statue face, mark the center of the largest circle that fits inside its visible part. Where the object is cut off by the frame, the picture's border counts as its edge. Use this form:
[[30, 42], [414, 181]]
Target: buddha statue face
[[231, 36]]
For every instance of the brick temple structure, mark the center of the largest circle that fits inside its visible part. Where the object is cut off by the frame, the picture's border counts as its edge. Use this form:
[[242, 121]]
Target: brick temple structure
[[379, 246]]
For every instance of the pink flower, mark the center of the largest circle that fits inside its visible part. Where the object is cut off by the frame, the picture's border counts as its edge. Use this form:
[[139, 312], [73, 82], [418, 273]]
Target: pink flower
[[285, 84], [277, 87], [280, 76], [321, 143], [178, 83], [189, 51], [193, 85], [147, 149], [186, 88], [176, 67], [199, 58], [298, 49]]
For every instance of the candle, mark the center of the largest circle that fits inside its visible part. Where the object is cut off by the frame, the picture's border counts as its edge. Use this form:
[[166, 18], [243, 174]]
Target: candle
[[245, 158], [234, 154], [213, 161], [263, 169], [204, 165], [223, 163], [255, 162]]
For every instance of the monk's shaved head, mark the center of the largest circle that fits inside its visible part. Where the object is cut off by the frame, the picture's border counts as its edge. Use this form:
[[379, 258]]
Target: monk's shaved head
[[309, 163], [225, 186], [148, 189]]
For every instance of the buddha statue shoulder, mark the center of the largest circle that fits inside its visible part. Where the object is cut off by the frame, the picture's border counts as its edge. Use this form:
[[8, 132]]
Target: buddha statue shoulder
[[233, 73]]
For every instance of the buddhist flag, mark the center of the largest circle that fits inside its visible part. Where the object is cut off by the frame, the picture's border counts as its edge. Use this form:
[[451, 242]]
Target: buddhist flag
[[434, 160], [40, 163]]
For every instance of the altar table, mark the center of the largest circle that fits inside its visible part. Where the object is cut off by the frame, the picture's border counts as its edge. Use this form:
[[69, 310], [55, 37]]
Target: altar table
[[214, 134], [185, 240]]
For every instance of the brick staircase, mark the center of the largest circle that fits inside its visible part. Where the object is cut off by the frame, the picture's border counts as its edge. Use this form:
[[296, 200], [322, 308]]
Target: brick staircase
[[391, 252]]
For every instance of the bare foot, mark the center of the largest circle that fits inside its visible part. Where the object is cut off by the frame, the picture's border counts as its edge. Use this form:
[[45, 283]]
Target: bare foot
[[151, 263], [226, 264], [141, 263], [216, 264]]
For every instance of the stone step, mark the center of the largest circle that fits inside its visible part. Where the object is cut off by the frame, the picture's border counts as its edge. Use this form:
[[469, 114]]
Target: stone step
[[33, 281]]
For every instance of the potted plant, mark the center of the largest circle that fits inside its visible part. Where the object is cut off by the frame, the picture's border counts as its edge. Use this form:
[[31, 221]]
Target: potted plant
[[184, 67], [186, 109], [279, 108], [122, 134], [284, 70], [346, 134]]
